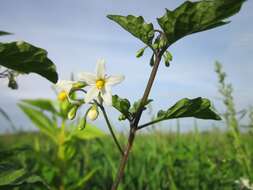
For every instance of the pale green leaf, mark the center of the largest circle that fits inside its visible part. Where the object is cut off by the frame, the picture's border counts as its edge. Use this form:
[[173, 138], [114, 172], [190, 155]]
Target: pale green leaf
[[40, 120]]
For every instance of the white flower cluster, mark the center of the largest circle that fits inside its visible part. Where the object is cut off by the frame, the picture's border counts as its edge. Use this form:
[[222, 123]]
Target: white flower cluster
[[100, 84]]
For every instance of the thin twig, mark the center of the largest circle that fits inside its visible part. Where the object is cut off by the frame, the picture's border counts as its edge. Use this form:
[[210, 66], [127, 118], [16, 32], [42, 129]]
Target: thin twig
[[110, 128], [149, 123]]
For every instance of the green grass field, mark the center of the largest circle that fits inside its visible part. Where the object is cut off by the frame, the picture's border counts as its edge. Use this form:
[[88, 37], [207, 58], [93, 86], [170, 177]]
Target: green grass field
[[159, 161], [61, 157]]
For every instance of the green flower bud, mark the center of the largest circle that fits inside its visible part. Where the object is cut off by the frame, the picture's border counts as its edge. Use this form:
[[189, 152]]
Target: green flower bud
[[152, 61], [140, 52], [82, 123], [72, 112], [167, 58], [162, 42], [79, 85]]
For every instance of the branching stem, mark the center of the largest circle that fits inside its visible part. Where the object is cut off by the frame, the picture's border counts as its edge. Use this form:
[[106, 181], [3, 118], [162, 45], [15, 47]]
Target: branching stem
[[135, 122]]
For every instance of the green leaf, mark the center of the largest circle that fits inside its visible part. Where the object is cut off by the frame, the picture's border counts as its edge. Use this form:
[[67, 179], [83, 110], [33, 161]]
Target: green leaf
[[192, 17], [9, 176], [81, 183], [122, 105], [40, 120], [89, 132], [13, 177], [31, 179], [199, 108], [26, 58], [43, 104], [137, 104], [2, 33], [136, 26]]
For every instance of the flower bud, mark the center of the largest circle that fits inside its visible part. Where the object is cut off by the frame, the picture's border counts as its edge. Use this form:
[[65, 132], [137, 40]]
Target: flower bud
[[140, 52], [93, 113], [79, 85], [72, 112]]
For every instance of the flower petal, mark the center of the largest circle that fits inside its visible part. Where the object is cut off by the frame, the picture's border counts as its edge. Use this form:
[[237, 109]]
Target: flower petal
[[112, 80], [107, 96], [91, 94], [89, 78], [65, 85], [100, 70]]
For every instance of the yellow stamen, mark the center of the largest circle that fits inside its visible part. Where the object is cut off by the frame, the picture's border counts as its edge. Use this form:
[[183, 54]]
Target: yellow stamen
[[62, 96], [100, 83]]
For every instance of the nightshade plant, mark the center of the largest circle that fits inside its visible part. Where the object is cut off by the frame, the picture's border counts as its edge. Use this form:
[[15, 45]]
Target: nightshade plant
[[188, 18]]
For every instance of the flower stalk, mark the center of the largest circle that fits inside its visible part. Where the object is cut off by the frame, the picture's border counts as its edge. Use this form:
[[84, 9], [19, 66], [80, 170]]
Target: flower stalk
[[134, 124]]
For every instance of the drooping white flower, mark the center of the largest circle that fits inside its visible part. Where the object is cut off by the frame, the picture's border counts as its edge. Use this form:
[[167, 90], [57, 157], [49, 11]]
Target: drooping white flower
[[100, 83], [64, 86]]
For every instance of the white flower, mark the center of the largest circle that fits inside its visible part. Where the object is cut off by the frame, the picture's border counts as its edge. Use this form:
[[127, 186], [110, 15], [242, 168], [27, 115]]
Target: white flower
[[65, 85], [100, 83]]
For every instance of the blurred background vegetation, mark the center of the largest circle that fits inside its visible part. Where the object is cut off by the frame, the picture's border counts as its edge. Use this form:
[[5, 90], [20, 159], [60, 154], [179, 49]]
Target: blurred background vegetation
[[60, 157]]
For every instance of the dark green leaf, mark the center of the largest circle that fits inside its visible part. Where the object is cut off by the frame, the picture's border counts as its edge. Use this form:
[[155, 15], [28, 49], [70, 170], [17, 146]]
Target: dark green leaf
[[192, 17], [137, 104], [2, 33], [198, 108], [136, 26], [122, 105], [26, 58]]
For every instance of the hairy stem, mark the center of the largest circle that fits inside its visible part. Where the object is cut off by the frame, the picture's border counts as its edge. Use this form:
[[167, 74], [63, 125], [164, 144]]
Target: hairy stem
[[111, 130], [134, 124]]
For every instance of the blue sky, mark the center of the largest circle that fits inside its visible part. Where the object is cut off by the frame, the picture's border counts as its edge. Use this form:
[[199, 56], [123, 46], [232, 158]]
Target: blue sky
[[76, 33]]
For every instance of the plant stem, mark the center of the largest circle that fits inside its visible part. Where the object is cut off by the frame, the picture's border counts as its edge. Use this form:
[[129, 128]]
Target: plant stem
[[148, 89], [149, 123], [134, 124], [124, 160], [111, 130]]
